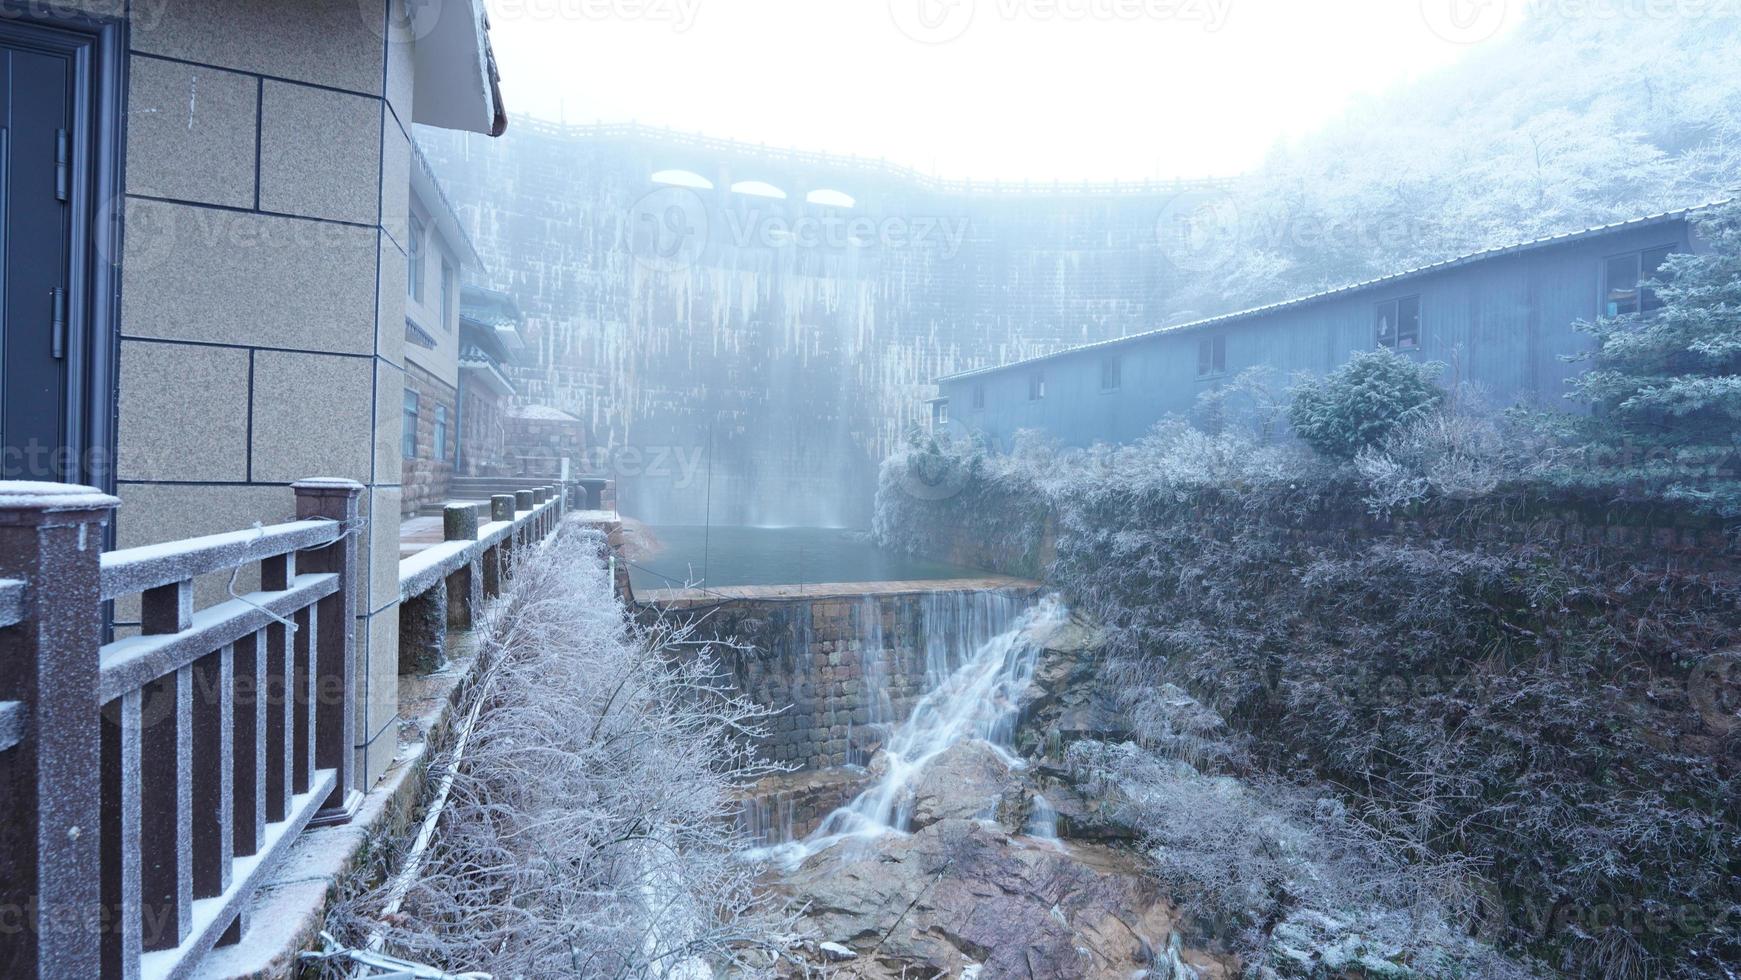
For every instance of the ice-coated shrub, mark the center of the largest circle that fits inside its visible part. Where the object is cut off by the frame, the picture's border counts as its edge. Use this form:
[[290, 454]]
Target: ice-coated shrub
[[590, 831], [1357, 405]]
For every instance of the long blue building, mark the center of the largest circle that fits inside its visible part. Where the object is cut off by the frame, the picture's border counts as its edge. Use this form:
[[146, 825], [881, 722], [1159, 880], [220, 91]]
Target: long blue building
[[1502, 317]]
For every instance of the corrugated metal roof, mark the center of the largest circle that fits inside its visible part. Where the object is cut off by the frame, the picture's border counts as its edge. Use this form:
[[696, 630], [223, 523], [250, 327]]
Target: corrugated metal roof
[[1461, 260]]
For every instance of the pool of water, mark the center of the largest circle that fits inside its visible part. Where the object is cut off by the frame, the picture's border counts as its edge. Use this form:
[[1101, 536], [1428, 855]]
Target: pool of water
[[669, 557]]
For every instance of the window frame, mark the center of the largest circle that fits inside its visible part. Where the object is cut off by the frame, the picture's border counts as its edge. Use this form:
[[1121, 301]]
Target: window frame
[[448, 287], [979, 396], [408, 418], [1641, 295], [1216, 361], [1037, 386], [1111, 368], [414, 258], [439, 437], [1394, 306]]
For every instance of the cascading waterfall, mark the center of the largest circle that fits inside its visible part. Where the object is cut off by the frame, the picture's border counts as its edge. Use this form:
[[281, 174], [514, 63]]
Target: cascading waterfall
[[973, 693]]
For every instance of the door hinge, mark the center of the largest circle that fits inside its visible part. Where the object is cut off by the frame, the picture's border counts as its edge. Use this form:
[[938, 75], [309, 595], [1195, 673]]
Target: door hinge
[[57, 326], [63, 164]]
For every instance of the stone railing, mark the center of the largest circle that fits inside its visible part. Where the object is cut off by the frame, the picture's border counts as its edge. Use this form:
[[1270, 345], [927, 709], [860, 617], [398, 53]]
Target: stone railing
[[443, 586], [149, 784]]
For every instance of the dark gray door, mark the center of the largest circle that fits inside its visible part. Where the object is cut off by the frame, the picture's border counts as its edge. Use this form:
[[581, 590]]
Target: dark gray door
[[37, 112]]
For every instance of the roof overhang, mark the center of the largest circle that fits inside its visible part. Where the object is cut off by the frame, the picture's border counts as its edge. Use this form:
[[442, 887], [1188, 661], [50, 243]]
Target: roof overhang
[[457, 86], [442, 217], [488, 375]]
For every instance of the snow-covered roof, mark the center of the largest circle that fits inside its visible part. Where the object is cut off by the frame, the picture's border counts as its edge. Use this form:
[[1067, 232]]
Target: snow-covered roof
[[1459, 261], [541, 413]]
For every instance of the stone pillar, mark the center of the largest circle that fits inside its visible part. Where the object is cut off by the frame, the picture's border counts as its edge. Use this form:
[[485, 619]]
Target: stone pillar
[[502, 507], [51, 540], [336, 687], [423, 631], [464, 585]]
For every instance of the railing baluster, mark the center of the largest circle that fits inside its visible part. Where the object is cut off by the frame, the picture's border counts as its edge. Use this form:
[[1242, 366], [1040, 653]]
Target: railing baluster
[[250, 746], [166, 609], [165, 801], [214, 687], [120, 832], [278, 694], [303, 677]]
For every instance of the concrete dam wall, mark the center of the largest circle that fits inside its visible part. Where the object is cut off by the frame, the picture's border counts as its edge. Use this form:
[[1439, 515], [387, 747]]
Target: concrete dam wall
[[751, 355]]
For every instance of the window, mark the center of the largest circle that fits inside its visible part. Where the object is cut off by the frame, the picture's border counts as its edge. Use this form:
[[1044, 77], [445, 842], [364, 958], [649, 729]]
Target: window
[[1037, 386], [1399, 323], [979, 398], [408, 439], [414, 261], [942, 414], [440, 438], [1623, 279], [1211, 356], [1111, 374], [446, 296]]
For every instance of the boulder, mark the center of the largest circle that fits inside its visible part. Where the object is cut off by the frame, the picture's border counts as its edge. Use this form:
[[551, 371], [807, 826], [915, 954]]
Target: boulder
[[963, 782], [961, 893]]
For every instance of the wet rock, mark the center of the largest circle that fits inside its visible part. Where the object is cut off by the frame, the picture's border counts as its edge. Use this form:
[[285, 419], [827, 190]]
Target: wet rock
[[1070, 698], [965, 893], [967, 780]]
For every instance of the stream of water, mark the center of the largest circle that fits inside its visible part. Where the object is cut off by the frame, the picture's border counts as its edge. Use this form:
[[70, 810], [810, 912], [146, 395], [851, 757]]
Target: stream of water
[[973, 694]]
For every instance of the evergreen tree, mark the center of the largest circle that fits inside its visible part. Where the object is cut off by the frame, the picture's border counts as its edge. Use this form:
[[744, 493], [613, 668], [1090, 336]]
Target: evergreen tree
[[1665, 385]]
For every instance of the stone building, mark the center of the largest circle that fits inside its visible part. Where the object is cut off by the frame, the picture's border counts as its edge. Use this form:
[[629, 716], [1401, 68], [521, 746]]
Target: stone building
[[438, 253], [489, 338], [221, 189]]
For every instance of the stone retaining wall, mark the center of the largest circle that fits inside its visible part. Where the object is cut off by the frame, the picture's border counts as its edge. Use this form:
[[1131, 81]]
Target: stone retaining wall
[[843, 669]]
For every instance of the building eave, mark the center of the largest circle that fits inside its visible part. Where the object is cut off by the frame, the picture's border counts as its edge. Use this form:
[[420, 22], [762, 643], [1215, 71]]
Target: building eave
[[458, 85], [1471, 258]]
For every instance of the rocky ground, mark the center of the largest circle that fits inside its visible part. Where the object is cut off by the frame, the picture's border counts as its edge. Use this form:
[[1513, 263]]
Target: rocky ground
[[979, 889]]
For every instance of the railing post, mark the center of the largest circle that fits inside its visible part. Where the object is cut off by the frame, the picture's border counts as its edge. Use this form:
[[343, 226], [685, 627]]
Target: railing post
[[336, 653], [51, 540], [465, 584]]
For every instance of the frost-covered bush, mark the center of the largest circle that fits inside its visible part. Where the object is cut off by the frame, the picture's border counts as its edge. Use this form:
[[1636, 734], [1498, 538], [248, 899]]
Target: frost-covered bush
[[1460, 451], [1373, 395], [1513, 709], [953, 500], [589, 832], [1291, 880]]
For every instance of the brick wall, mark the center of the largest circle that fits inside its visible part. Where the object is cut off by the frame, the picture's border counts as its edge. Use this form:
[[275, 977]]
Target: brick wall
[[425, 476], [483, 434]]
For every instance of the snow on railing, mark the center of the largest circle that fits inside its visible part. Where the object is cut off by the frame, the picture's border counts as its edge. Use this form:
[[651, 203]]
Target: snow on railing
[[156, 780]]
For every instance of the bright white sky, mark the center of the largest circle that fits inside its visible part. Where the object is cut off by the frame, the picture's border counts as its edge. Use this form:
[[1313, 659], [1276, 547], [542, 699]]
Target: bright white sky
[[992, 89]]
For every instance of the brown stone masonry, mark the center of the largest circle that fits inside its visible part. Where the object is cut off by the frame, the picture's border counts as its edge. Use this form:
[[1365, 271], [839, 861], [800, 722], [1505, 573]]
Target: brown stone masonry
[[425, 475]]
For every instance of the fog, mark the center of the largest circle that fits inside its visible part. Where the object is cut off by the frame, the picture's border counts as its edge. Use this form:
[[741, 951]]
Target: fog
[[750, 309]]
